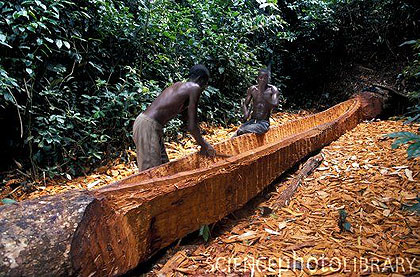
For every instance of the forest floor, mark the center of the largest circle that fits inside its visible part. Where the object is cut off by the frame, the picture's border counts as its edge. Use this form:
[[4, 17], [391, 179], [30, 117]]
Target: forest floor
[[362, 175]]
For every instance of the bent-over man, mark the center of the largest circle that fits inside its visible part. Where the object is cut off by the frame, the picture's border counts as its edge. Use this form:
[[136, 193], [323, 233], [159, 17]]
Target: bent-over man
[[264, 98], [147, 128]]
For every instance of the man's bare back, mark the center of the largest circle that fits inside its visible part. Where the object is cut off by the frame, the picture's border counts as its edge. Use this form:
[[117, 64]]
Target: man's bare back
[[147, 129], [171, 101]]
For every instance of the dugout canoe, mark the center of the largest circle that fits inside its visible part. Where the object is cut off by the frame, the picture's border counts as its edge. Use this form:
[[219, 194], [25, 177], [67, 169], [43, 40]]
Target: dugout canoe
[[108, 231]]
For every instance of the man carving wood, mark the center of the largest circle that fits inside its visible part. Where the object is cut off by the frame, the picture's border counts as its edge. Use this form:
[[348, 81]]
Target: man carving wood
[[264, 98], [147, 128]]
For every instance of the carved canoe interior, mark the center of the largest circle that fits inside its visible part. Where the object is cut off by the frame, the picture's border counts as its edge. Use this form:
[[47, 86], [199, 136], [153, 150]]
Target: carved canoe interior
[[245, 144]]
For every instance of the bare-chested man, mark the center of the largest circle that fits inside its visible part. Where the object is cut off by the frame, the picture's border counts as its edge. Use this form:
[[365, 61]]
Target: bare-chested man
[[147, 129], [265, 97]]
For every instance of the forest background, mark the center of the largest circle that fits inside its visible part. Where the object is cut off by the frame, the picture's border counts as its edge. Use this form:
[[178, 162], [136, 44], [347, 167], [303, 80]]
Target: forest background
[[75, 74]]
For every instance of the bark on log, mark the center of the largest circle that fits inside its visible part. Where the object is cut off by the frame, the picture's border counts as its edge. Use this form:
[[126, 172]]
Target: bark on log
[[36, 235], [111, 230]]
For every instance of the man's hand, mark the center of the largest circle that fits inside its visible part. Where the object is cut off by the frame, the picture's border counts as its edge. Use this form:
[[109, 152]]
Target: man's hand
[[207, 150], [273, 96]]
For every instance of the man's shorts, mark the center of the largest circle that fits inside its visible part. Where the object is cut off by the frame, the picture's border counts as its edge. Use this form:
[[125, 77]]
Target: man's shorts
[[147, 136], [254, 126]]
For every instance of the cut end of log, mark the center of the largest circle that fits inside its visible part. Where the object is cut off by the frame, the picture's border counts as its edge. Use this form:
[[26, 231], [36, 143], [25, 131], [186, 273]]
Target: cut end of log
[[107, 242], [35, 235]]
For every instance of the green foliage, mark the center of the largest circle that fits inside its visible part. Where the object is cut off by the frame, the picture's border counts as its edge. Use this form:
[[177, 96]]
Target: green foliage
[[413, 149], [327, 34], [81, 130], [411, 74], [205, 232], [413, 114], [79, 74], [59, 52], [412, 208], [74, 75], [7, 201], [343, 224]]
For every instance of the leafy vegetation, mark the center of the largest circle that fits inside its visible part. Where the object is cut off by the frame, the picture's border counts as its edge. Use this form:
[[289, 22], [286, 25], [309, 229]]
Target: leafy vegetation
[[412, 208], [411, 75], [407, 137], [73, 76], [204, 232]]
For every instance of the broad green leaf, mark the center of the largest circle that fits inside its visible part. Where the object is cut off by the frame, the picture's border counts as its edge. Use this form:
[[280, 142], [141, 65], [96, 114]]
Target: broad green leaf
[[413, 208], [347, 226], [400, 141], [59, 43], [205, 232], [30, 28], [412, 119], [5, 44], [408, 42], [8, 97], [413, 150], [97, 67], [7, 201], [16, 15], [403, 135], [33, 15]]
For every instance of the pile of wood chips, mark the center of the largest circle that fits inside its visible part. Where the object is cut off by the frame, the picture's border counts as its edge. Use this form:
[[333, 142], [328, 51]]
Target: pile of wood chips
[[362, 177], [118, 170]]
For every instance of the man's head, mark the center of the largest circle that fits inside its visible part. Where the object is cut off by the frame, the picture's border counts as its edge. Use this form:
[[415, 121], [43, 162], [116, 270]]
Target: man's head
[[264, 76], [199, 74]]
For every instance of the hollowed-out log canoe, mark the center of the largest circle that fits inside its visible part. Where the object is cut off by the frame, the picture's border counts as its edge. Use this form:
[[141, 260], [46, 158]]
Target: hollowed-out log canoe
[[111, 230]]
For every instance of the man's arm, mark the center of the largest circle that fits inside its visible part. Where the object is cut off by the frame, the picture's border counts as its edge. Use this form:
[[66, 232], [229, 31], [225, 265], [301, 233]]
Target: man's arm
[[193, 128], [245, 104], [273, 97]]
